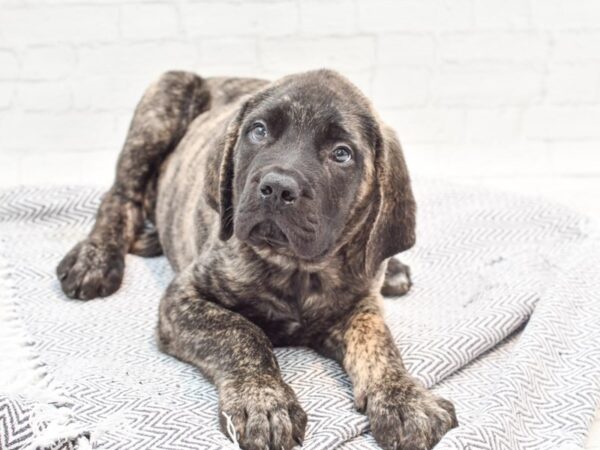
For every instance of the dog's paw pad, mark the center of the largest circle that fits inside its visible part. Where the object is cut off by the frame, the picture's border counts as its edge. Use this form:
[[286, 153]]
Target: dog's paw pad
[[263, 414], [91, 270], [407, 417]]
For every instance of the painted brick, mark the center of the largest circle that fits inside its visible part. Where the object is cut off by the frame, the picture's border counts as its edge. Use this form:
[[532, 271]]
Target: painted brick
[[229, 56], [149, 21], [44, 96], [9, 65], [327, 17], [148, 58], [507, 47], [109, 93], [562, 123], [492, 126], [48, 169], [426, 125], [47, 24], [9, 170], [505, 15], [579, 158], [577, 46], [400, 87], [48, 62], [405, 49], [471, 85], [297, 54], [240, 19], [380, 16], [485, 85], [568, 84], [566, 14], [6, 94], [56, 133]]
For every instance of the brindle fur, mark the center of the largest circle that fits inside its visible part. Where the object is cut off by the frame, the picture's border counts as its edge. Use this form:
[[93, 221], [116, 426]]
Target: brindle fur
[[186, 168]]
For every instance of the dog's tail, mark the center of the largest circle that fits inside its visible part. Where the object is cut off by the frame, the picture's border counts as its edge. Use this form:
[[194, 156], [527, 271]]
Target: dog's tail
[[147, 243]]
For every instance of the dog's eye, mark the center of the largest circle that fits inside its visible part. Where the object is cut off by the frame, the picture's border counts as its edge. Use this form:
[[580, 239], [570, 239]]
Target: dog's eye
[[258, 132], [341, 154]]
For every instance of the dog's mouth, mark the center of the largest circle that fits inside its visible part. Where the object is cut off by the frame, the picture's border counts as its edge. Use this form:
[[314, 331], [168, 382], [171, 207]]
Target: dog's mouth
[[276, 236], [268, 234]]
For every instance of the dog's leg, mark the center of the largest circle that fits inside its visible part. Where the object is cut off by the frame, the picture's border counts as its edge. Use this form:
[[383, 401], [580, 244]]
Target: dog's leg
[[238, 357], [403, 414], [397, 279], [94, 267]]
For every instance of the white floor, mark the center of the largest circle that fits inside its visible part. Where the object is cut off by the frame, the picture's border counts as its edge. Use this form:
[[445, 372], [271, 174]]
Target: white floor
[[593, 440]]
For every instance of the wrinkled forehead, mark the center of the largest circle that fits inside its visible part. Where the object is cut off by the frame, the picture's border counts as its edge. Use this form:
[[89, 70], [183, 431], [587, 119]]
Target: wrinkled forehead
[[320, 110]]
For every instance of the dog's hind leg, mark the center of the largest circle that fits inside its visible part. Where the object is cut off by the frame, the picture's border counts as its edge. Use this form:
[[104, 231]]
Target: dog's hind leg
[[397, 279], [94, 267]]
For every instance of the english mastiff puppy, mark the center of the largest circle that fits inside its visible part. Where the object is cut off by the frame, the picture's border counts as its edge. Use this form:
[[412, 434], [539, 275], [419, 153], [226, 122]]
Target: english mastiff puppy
[[278, 205]]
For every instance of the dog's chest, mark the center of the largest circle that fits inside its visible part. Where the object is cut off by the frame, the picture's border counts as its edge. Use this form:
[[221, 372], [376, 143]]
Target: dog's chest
[[291, 308]]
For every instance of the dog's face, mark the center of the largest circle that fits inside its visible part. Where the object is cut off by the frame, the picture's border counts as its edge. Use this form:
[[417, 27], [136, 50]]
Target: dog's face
[[300, 159], [302, 166]]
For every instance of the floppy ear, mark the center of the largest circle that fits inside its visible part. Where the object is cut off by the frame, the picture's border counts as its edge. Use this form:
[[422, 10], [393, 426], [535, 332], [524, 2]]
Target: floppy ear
[[218, 182], [393, 230], [226, 173], [221, 171]]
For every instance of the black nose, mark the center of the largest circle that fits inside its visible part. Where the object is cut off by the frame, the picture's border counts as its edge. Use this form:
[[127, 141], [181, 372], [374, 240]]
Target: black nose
[[279, 189]]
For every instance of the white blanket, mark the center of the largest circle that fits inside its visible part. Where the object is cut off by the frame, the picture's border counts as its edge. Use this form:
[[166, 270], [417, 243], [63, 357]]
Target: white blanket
[[503, 319]]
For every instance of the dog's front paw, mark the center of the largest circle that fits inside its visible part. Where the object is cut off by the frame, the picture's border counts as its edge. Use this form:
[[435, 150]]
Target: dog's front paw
[[91, 270], [264, 412], [404, 415]]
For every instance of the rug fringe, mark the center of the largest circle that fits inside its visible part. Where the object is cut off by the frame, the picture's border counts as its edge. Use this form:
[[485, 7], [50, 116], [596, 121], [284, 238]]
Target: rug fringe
[[24, 375]]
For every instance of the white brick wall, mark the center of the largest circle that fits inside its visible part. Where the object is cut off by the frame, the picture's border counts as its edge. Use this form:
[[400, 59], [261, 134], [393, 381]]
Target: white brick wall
[[474, 87]]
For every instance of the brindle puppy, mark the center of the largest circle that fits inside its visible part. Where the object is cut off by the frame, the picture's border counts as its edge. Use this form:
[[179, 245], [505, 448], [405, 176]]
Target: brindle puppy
[[278, 206]]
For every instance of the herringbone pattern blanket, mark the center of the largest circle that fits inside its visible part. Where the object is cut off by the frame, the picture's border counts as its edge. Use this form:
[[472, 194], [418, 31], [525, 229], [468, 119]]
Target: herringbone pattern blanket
[[503, 319]]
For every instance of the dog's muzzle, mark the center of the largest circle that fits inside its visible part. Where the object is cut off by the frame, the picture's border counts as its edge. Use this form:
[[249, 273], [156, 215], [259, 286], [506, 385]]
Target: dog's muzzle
[[268, 232], [280, 213], [277, 193]]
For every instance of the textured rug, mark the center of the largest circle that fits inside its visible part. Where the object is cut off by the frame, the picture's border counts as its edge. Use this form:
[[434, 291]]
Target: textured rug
[[503, 319]]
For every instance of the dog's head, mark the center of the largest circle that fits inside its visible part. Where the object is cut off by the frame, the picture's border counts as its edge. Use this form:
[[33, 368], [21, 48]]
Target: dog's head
[[308, 168]]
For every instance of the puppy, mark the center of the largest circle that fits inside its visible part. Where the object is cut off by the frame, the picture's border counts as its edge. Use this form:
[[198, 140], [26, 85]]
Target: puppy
[[278, 205]]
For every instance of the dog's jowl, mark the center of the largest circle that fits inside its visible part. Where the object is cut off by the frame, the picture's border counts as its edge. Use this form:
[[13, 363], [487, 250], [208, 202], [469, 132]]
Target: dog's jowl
[[279, 205]]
